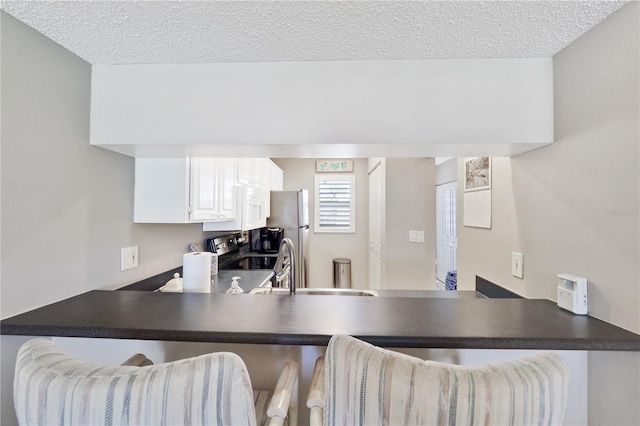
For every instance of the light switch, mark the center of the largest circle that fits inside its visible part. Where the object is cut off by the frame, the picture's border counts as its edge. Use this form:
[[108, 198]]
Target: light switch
[[412, 236], [420, 236], [128, 258], [517, 264]]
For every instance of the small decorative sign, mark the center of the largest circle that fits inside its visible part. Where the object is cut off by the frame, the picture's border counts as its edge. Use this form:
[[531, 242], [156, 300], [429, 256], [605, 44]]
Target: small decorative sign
[[334, 166]]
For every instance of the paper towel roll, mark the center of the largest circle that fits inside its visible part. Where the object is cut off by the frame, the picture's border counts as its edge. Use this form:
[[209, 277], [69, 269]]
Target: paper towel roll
[[214, 264], [196, 272]]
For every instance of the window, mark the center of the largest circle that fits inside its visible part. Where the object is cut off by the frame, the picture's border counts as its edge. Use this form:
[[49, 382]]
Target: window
[[335, 203]]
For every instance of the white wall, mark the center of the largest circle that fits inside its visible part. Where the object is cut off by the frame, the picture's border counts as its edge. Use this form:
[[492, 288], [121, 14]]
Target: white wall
[[447, 171], [573, 206], [323, 248], [67, 207], [487, 252], [410, 205]]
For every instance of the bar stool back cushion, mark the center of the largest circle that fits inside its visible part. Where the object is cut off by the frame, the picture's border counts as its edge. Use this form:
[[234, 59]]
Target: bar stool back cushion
[[368, 385], [51, 387]]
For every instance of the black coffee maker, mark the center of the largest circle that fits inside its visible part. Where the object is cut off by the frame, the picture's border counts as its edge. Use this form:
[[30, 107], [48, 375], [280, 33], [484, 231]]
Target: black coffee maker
[[270, 239]]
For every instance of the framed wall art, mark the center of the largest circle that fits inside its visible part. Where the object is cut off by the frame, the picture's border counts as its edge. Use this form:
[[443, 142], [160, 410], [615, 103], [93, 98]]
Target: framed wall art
[[334, 166], [477, 174]]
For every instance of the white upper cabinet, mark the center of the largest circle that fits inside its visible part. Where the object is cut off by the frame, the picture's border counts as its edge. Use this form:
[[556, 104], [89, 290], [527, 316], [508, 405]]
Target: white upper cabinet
[[161, 190], [272, 180], [260, 173], [226, 194], [251, 212], [255, 179], [184, 190], [250, 172], [213, 194]]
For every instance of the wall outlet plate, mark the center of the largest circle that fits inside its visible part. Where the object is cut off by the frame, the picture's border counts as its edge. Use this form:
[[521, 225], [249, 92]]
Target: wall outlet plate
[[517, 264], [412, 236], [128, 258]]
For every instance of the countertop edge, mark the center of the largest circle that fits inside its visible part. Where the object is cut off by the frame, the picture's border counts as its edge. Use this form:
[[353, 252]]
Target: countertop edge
[[522, 343]]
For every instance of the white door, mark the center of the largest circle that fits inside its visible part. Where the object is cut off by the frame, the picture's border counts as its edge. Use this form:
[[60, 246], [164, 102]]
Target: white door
[[446, 234], [376, 226]]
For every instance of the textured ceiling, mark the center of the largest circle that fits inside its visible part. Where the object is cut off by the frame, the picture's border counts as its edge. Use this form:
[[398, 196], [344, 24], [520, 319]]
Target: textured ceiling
[[125, 32]]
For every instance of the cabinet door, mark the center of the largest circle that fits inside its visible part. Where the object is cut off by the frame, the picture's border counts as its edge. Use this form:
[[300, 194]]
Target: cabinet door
[[204, 203], [256, 172], [226, 195], [243, 172], [161, 190], [254, 215], [270, 182], [250, 172], [183, 190], [213, 193], [274, 176]]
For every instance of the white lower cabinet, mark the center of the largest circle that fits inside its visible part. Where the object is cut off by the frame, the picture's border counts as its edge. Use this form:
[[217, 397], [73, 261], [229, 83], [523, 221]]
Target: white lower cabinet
[[184, 190]]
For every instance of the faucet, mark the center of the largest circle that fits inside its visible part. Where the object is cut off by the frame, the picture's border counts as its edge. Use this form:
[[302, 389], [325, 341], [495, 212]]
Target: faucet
[[291, 268]]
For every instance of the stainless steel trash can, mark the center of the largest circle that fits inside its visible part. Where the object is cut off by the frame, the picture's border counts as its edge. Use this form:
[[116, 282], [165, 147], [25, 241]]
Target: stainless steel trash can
[[342, 273]]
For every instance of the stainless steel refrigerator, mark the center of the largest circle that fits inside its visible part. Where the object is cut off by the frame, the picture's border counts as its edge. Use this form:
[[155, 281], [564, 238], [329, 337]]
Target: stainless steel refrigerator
[[290, 211]]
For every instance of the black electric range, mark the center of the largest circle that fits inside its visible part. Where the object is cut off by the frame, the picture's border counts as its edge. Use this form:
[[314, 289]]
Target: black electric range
[[234, 252]]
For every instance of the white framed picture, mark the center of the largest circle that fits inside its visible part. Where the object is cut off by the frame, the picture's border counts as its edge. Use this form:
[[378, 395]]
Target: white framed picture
[[477, 174]]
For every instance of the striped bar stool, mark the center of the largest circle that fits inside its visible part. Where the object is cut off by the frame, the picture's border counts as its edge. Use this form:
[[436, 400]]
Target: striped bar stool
[[51, 387], [358, 383]]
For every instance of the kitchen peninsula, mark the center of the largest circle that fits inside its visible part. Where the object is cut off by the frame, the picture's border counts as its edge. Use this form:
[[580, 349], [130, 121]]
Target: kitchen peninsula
[[410, 322]]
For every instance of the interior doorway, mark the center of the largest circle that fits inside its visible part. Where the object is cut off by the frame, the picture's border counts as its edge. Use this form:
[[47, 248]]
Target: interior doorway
[[446, 231]]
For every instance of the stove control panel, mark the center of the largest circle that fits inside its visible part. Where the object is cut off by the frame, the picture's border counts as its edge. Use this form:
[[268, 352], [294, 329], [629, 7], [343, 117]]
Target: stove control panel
[[222, 245]]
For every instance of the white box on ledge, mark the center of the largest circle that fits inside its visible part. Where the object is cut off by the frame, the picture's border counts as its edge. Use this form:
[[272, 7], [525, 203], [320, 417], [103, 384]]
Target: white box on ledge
[[572, 293]]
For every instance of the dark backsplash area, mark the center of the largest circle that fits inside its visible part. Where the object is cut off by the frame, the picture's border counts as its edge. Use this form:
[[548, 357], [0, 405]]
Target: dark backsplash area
[[153, 283], [494, 291]]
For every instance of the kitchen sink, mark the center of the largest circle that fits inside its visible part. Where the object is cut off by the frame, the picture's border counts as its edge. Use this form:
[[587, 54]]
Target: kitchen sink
[[316, 291]]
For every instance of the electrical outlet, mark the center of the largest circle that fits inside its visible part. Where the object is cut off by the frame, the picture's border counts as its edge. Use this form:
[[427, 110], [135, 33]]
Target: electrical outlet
[[128, 258], [420, 237], [517, 264], [412, 236]]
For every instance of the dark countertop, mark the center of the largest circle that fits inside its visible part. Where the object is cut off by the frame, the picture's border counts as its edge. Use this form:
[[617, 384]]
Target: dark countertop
[[249, 278], [411, 322]]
